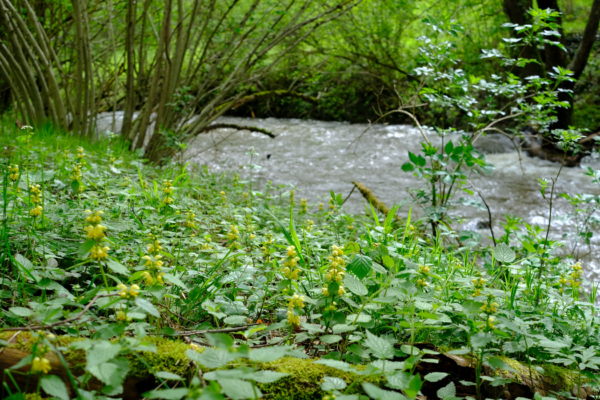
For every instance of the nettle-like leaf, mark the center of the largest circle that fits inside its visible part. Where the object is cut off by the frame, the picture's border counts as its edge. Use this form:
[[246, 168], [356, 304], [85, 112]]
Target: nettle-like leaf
[[332, 383], [355, 286], [360, 266], [504, 254], [380, 347]]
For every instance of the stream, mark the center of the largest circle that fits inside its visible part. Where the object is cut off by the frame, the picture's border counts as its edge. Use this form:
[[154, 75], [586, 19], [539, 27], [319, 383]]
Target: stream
[[316, 157]]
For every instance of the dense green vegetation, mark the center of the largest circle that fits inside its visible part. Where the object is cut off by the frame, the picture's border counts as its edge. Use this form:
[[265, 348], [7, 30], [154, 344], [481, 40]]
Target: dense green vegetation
[[129, 273]]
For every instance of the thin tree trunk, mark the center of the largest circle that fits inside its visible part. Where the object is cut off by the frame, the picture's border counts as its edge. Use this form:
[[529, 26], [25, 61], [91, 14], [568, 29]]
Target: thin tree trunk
[[130, 84]]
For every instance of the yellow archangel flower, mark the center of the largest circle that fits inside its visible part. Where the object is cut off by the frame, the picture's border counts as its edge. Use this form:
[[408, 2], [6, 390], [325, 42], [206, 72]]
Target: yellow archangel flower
[[95, 232], [99, 253], [40, 365]]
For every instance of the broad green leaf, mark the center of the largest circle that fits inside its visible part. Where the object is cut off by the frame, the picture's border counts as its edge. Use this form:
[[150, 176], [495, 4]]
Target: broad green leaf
[[175, 281], [210, 358], [168, 376], [267, 354], [55, 387], [341, 365], [481, 339], [362, 318], [355, 286], [235, 320], [21, 311], [447, 392], [504, 254], [117, 267], [332, 383], [267, 376], [167, 394], [380, 394], [360, 266], [435, 376], [147, 306], [238, 389], [101, 352], [380, 347], [330, 339]]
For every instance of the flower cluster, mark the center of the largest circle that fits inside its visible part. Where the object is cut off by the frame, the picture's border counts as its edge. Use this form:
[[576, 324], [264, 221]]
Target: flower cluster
[[478, 283], [232, 236], [309, 225], [128, 292], [94, 230], [41, 364], [80, 155], [295, 301], [337, 270], [303, 206], [153, 274], [423, 271], [35, 196], [13, 172], [190, 220], [76, 176], [490, 307], [574, 281], [290, 264], [167, 191]]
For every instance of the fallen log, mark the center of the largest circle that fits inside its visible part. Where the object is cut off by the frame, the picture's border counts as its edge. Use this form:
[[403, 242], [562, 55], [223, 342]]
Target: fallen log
[[373, 200]]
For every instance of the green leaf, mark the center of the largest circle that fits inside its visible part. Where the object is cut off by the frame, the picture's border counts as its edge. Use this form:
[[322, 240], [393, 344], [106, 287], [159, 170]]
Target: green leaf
[[168, 376], [267, 376], [380, 347], [55, 387], [362, 318], [21, 311], [85, 247], [355, 286], [341, 365], [408, 167], [117, 267], [435, 376], [235, 320], [102, 352], [267, 354], [379, 394], [75, 186], [167, 394], [331, 383], [147, 306], [360, 266], [238, 389], [330, 339], [388, 261], [447, 391], [504, 254], [481, 339], [175, 281], [498, 363], [210, 358]]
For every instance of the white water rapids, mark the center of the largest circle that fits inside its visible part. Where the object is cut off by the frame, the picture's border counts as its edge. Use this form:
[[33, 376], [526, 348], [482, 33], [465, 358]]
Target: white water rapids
[[315, 157]]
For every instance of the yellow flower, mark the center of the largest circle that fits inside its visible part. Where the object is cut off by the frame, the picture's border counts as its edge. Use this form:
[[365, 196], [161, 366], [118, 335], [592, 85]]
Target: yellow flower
[[296, 301], [95, 232], [424, 269], [490, 322], [341, 291], [40, 365], [147, 277], [194, 347], [320, 206], [36, 211], [325, 291], [309, 225], [13, 171], [133, 290], [293, 319], [99, 253], [121, 316], [154, 248], [159, 277], [122, 290]]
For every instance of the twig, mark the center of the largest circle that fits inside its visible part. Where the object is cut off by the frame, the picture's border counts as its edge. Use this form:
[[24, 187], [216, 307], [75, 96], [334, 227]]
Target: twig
[[347, 197], [224, 330], [66, 321]]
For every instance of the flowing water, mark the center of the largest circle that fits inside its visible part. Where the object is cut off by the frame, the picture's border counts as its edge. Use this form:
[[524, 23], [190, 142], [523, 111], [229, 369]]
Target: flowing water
[[317, 157]]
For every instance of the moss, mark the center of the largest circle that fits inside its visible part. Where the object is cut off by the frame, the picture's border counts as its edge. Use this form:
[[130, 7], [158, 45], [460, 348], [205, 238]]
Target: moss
[[305, 379], [170, 356], [560, 376]]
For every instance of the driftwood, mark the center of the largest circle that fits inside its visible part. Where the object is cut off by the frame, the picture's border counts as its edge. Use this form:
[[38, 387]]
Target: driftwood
[[239, 128], [373, 200]]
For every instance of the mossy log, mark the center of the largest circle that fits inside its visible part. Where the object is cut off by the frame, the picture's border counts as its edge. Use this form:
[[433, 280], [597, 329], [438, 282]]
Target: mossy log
[[304, 379], [239, 128]]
